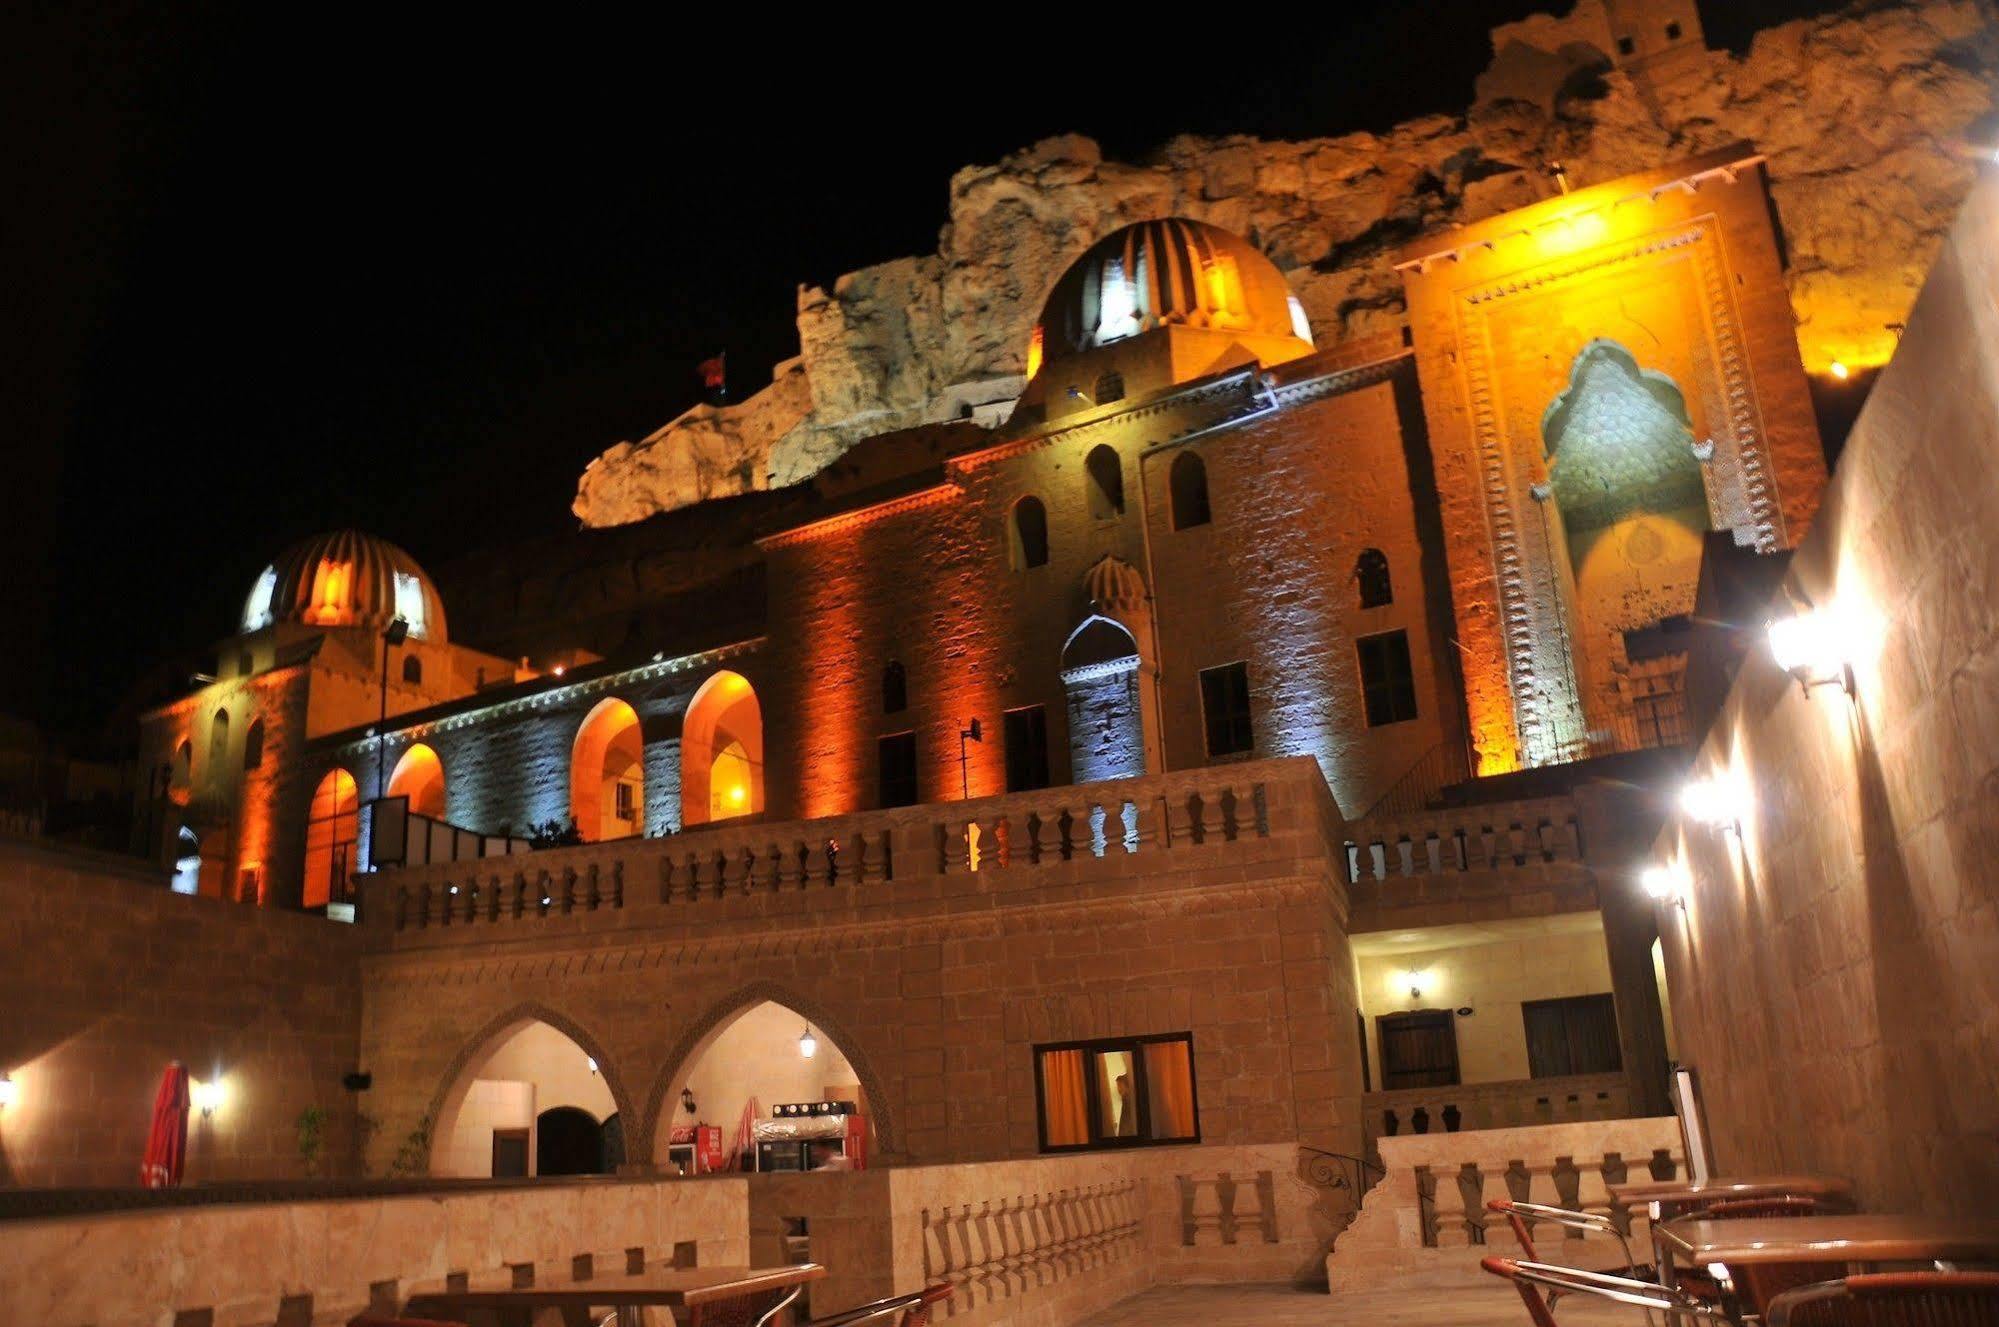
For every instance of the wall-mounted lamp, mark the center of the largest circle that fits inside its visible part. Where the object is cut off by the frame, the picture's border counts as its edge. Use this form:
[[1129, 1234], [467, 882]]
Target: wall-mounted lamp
[[1714, 802], [1813, 645], [975, 733], [1839, 370], [687, 1100], [1417, 981], [1663, 884], [205, 1097], [591, 1061], [8, 1090], [808, 1045]]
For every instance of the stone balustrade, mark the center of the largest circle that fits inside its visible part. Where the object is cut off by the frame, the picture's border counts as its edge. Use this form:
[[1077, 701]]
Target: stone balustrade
[[1506, 1104], [883, 857], [1495, 837], [1427, 1216]]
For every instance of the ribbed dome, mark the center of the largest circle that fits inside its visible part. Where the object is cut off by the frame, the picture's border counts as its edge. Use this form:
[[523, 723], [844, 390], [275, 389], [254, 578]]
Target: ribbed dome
[[1157, 273], [345, 579]]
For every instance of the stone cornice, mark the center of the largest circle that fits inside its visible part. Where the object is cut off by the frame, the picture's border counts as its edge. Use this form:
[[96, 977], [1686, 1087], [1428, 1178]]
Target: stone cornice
[[847, 520], [555, 696], [1238, 382], [1546, 215], [1095, 671], [1340, 381]]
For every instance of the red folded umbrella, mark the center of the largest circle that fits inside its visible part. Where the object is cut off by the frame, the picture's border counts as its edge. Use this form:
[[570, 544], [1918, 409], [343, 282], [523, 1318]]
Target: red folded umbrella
[[166, 1145]]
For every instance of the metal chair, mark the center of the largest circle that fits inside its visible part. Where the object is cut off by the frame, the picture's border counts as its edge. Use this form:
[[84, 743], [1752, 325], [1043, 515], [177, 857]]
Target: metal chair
[[1892, 1299], [914, 1310], [1531, 1279]]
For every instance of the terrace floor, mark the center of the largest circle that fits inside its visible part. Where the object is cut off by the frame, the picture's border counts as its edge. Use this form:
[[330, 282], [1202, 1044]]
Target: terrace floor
[[1456, 1305]]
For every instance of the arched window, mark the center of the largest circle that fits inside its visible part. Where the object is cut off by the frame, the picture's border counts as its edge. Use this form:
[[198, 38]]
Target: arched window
[[722, 751], [419, 776], [895, 689], [1110, 388], [607, 773], [1371, 573], [218, 743], [1106, 474], [253, 745], [329, 839], [412, 670], [1027, 535], [1189, 484]]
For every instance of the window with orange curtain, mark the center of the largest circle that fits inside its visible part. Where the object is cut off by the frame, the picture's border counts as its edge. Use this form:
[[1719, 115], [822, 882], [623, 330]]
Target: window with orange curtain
[[1117, 1092]]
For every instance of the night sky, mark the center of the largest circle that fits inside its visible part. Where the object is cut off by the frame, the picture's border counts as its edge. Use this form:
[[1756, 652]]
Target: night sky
[[410, 272]]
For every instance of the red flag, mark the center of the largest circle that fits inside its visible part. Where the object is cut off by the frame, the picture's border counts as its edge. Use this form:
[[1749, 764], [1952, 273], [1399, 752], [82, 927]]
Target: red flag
[[714, 374], [166, 1145]]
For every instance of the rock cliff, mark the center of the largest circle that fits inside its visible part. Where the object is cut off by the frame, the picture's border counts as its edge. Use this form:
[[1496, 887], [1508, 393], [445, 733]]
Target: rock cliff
[[1873, 120]]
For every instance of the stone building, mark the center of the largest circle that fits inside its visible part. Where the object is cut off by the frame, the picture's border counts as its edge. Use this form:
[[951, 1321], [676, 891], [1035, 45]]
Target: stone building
[[1223, 719]]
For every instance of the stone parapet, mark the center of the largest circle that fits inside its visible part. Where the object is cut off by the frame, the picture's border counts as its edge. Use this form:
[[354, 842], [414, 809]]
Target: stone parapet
[[1519, 858]]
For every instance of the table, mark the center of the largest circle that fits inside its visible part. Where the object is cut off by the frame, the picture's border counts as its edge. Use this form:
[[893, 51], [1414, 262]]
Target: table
[[1754, 1258], [1665, 1199], [685, 1290]]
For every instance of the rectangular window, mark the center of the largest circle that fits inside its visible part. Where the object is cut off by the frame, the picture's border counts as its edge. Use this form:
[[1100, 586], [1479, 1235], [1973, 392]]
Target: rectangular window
[[1117, 1092], [1225, 709], [1387, 683], [896, 759], [1026, 749], [1659, 701], [627, 801], [1418, 1049], [1577, 1035]]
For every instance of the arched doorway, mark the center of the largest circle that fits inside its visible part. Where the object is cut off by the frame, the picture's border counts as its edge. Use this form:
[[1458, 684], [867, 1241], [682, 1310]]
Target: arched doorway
[[1100, 673], [607, 773], [419, 776], [722, 752], [187, 862], [529, 1097], [329, 839], [740, 1072]]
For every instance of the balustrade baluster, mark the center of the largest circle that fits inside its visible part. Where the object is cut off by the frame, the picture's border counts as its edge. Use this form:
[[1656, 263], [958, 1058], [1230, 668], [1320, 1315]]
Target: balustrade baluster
[[1260, 803], [1096, 829], [591, 896], [1230, 828], [1065, 831], [1002, 849], [520, 894], [1405, 856], [569, 892], [1197, 819], [1128, 814], [666, 877], [1032, 826], [618, 883]]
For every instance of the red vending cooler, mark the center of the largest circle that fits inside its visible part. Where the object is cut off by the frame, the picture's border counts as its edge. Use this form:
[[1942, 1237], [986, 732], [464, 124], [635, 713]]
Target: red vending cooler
[[707, 1149], [855, 1144]]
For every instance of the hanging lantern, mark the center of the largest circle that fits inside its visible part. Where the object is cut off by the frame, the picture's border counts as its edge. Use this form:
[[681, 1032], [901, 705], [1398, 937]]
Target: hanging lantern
[[808, 1045]]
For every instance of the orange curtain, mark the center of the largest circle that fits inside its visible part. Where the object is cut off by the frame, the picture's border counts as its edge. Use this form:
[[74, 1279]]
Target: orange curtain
[[1169, 1088], [1063, 1099]]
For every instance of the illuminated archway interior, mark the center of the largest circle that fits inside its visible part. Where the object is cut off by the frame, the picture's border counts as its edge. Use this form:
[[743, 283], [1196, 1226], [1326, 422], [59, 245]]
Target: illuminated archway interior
[[749, 1066], [329, 839], [419, 776], [722, 752], [529, 1080], [607, 773]]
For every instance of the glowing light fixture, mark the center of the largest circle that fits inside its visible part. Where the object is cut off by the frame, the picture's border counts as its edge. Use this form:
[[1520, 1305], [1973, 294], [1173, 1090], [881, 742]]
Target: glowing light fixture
[[1034, 353], [1417, 979], [738, 795], [591, 1061], [9, 1090], [1813, 646], [1663, 884], [1714, 802], [1116, 305], [206, 1097], [409, 602], [808, 1045], [257, 612], [1839, 370]]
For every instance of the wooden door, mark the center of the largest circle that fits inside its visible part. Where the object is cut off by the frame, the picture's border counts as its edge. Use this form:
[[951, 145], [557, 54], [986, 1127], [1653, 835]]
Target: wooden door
[[1418, 1049]]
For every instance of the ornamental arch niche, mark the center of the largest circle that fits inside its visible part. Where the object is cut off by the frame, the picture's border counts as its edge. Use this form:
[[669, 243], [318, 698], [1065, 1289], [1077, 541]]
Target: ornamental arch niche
[[607, 773], [526, 1064], [722, 751], [762, 1020], [1100, 677]]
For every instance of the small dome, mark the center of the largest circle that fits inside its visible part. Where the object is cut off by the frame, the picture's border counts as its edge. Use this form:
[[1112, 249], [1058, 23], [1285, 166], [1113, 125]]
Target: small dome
[[345, 579], [1160, 273]]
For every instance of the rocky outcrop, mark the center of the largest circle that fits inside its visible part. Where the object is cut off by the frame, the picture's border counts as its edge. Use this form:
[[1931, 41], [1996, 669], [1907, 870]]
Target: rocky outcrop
[[1871, 119]]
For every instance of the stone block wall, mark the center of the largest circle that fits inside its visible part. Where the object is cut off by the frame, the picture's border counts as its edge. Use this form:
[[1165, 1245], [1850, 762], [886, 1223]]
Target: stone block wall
[[109, 976], [934, 981], [321, 1261], [1833, 973]]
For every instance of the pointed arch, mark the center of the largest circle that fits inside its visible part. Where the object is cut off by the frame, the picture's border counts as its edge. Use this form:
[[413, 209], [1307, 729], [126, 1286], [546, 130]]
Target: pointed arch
[[332, 827], [459, 1074], [253, 745], [700, 1034], [1371, 579]]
